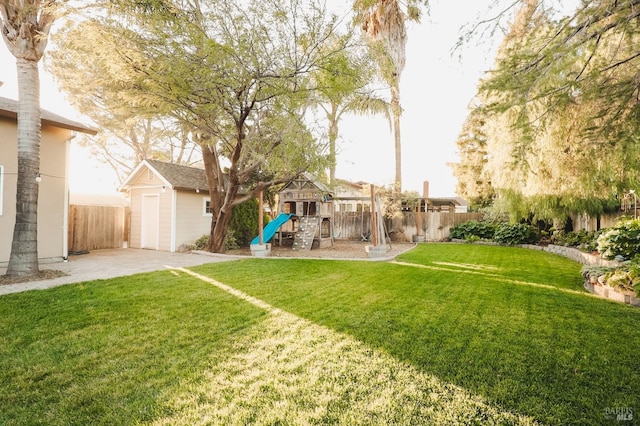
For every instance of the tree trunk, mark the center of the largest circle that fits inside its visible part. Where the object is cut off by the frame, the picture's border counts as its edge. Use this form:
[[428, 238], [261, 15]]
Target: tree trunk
[[396, 110], [23, 260], [333, 137]]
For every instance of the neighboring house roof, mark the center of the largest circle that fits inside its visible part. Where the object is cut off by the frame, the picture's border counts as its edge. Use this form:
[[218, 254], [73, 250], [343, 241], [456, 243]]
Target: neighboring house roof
[[444, 201], [9, 109], [173, 175]]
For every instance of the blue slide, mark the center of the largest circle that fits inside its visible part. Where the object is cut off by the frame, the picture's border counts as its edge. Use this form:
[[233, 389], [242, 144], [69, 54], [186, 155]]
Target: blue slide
[[271, 228]]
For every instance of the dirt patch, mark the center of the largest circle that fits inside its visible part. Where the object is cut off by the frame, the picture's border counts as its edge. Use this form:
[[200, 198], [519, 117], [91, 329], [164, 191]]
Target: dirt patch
[[46, 274], [340, 250]]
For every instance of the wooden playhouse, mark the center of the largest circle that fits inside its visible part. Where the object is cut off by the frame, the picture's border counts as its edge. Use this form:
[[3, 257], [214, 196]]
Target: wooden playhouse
[[311, 204]]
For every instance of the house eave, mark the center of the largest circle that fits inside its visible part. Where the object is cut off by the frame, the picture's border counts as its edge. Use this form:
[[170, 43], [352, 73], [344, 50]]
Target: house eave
[[9, 109]]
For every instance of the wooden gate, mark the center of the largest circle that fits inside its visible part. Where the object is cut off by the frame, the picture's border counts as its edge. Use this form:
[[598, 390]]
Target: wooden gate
[[96, 227]]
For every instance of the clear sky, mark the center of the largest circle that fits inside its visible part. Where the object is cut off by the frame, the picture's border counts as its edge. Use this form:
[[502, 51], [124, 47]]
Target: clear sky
[[436, 88]]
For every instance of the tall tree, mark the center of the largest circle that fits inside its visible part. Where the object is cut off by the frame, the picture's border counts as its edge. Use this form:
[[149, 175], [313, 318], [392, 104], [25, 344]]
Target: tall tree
[[239, 74], [345, 87], [25, 26], [561, 120], [383, 23], [83, 56], [474, 183]]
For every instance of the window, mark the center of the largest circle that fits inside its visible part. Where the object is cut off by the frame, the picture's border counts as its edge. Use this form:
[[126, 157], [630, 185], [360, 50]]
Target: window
[[1, 187], [206, 207]]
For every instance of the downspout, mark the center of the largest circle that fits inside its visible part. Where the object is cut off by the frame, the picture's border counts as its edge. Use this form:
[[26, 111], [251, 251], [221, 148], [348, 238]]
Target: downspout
[[65, 213], [174, 219]]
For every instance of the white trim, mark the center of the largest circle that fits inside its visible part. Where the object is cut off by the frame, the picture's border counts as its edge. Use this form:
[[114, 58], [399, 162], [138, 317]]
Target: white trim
[[204, 207], [174, 219], [126, 184], [149, 187], [143, 235], [1, 187]]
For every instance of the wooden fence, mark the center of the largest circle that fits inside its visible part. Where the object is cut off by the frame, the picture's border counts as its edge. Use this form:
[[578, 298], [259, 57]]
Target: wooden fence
[[96, 227], [357, 225]]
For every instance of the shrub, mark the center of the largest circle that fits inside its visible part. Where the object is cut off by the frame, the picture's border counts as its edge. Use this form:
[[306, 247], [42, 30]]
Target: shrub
[[518, 233], [244, 223], [230, 242], [623, 239], [201, 243], [634, 274], [583, 240], [473, 230], [589, 271], [624, 277]]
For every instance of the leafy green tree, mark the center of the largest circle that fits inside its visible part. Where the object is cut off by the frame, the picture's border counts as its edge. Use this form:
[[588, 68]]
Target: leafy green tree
[[384, 24], [473, 182], [25, 26], [82, 57], [345, 88], [238, 73], [560, 123]]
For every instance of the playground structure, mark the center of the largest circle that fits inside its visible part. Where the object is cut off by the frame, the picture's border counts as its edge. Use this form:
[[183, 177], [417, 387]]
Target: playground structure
[[310, 203], [306, 214]]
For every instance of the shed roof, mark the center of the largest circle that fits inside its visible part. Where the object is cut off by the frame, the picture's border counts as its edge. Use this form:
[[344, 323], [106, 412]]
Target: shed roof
[[181, 177], [174, 175], [9, 109]]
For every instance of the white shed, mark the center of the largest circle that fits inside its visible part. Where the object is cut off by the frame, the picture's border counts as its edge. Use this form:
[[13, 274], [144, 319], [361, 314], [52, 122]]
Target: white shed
[[170, 205]]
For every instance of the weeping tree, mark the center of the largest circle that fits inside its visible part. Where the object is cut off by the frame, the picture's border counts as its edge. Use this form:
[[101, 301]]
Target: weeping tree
[[563, 108], [25, 26], [383, 23], [239, 74]]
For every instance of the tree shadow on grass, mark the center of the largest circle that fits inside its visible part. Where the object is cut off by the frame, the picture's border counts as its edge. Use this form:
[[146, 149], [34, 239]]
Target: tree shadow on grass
[[559, 357]]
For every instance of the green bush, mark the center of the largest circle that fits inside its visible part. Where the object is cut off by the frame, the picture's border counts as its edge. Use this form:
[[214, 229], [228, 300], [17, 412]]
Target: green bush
[[583, 240], [473, 230], [230, 242], [201, 243], [634, 274], [623, 239], [518, 233], [244, 222]]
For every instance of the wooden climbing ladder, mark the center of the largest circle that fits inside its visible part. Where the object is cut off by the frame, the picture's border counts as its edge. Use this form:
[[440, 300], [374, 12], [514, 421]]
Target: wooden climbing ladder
[[307, 231]]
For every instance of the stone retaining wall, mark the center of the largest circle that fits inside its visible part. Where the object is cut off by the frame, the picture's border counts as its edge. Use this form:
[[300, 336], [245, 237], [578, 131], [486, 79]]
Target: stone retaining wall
[[575, 254], [610, 293]]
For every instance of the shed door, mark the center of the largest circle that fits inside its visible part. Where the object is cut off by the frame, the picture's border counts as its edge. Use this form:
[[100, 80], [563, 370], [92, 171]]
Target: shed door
[[150, 222]]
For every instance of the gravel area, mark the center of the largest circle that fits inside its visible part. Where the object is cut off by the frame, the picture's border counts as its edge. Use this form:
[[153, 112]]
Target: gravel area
[[340, 250]]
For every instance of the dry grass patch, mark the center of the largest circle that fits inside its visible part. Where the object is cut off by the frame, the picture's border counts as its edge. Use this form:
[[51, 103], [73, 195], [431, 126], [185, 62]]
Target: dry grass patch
[[47, 274]]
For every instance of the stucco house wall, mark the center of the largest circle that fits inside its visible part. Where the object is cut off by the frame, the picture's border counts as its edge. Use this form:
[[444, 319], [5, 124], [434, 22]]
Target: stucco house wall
[[56, 134]]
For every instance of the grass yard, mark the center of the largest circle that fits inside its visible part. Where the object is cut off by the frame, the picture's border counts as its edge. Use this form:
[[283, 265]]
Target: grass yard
[[463, 334]]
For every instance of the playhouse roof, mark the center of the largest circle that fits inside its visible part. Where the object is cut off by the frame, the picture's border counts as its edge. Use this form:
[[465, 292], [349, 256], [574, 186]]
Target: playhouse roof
[[9, 109], [305, 180]]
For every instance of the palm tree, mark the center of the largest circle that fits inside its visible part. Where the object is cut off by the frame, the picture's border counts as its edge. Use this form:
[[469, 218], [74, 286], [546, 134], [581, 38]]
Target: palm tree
[[25, 26], [383, 23], [343, 88]]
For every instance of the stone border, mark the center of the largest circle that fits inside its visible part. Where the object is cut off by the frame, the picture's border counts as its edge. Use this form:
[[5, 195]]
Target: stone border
[[574, 254], [610, 293]]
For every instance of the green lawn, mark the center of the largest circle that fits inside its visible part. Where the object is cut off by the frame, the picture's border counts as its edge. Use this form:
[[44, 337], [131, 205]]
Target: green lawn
[[451, 333]]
